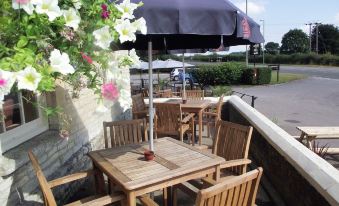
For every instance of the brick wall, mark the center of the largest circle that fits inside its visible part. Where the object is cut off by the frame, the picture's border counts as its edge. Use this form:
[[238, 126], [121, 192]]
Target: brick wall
[[58, 157]]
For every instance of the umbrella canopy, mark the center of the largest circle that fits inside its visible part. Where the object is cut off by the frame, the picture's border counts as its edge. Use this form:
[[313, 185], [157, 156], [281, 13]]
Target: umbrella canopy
[[190, 24]]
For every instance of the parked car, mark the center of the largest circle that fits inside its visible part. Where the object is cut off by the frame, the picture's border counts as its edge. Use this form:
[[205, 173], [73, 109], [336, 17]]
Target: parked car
[[175, 74]]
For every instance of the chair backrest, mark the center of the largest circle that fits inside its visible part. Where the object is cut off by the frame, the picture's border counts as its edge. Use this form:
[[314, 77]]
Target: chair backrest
[[118, 133], [239, 190], [167, 93], [232, 142], [168, 117], [138, 103], [45, 188], [219, 106], [194, 94]]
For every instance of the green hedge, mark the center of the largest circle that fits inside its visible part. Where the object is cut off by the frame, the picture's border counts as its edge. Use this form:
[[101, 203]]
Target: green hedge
[[263, 76], [219, 74], [230, 73], [304, 59]]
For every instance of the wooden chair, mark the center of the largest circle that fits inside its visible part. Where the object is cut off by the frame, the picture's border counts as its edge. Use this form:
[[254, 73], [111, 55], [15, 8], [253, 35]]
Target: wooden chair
[[125, 132], [139, 108], [167, 93], [46, 186], [170, 121], [210, 117], [231, 141], [240, 190], [194, 94]]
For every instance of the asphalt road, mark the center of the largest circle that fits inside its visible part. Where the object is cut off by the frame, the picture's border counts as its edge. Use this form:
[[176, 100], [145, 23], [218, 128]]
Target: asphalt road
[[316, 71]]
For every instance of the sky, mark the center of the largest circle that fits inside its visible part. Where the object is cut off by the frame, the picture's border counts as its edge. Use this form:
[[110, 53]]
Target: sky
[[282, 15]]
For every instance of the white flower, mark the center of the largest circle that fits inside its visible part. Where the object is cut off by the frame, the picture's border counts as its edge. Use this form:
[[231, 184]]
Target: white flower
[[103, 37], [7, 80], [27, 7], [126, 30], [135, 58], [127, 8], [28, 78], [77, 4], [60, 62], [71, 18], [140, 25], [101, 108], [49, 7]]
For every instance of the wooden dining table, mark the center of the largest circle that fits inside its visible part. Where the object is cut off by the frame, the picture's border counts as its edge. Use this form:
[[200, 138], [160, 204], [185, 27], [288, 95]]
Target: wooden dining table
[[175, 162], [193, 106]]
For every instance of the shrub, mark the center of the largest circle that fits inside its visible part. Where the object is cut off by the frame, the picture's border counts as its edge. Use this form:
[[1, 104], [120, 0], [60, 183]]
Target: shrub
[[263, 75], [248, 76], [218, 74]]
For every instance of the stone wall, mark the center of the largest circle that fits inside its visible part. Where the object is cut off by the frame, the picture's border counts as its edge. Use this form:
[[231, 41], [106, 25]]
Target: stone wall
[[297, 182], [57, 156]]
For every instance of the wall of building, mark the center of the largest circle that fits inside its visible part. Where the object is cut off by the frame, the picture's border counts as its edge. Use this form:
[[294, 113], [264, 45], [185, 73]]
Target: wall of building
[[58, 157], [298, 175]]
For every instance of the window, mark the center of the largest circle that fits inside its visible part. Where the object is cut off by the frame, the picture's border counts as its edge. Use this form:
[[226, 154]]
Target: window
[[20, 119]]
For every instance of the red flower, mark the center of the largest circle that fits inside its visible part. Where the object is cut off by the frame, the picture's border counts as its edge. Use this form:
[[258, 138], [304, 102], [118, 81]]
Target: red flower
[[105, 14], [87, 58], [104, 7]]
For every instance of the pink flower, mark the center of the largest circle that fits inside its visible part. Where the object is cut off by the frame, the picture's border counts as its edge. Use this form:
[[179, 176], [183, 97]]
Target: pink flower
[[109, 91], [87, 58], [22, 1], [2, 82]]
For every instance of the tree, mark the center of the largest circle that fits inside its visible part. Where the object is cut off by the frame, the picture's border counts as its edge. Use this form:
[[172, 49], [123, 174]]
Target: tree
[[328, 39], [294, 41], [272, 48]]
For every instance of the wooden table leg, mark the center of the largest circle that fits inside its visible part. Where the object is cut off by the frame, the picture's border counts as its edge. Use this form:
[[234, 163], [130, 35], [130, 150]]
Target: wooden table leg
[[310, 141], [131, 199], [200, 127], [217, 173], [169, 195], [301, 138]]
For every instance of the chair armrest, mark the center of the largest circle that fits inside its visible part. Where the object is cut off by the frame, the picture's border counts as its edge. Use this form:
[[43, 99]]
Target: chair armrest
[[188, 118], [147, 201], [233, 163], [70, 178], [210, 114]]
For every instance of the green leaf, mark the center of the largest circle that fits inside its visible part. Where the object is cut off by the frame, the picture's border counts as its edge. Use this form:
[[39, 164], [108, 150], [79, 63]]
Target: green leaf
[[22, 42]]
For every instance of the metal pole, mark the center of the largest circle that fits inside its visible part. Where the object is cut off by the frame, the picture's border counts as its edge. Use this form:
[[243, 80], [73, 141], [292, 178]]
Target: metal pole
[[310, 35], [246, 44], [317, 35], [150, 91], [184, 74], [263, 49]]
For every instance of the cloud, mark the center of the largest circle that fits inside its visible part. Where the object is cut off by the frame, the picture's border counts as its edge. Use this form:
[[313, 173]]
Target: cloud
[[253, 8], [336, 18], [305, 28]]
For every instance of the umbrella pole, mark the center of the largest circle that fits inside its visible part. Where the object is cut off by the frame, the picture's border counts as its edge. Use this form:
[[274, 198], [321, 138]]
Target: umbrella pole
[[150, 94], [184, 76]]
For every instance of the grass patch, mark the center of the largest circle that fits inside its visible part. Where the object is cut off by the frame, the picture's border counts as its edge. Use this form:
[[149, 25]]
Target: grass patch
[[219, 90], [285, 77]]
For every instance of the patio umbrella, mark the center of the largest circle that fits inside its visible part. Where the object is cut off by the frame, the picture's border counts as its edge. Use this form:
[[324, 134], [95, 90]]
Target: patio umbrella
[[190, 24]]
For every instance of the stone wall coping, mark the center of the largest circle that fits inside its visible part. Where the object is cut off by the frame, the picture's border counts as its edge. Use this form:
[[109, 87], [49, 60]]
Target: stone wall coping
[[214, 100], [318, 172]]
